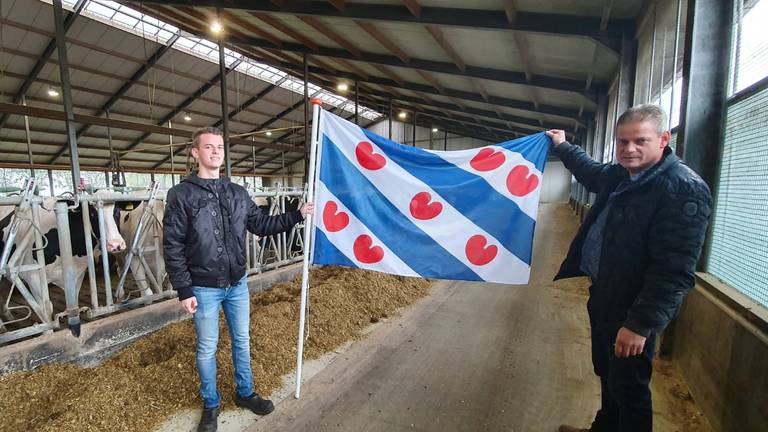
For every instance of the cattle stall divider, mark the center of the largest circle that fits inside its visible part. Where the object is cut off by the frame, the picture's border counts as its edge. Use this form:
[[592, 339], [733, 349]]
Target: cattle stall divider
[[34, 310], [138, 238], [275, 251], [11, 265], [149, 281]]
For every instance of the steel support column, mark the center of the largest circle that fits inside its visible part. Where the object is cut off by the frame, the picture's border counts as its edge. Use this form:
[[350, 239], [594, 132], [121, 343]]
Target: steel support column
[[67, 261], [601, 126], [594, 148], [66, 92], [224, 109], [705, 65], [50, 182], [357, 101], [29, 141], [627, 66], [390, 120], [705, 90]]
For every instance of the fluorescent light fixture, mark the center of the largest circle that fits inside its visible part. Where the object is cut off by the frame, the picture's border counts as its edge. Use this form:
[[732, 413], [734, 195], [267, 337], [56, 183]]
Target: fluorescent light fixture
[[52, 92], [216, 26], [342, 87], [268, 133], [434, 130], [402, 115], [187, 117]]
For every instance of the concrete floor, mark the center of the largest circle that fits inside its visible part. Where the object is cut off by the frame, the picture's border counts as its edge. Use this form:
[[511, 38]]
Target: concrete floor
[[471, 357]]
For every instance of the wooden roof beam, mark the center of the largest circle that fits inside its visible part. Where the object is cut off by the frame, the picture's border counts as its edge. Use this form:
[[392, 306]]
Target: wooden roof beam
[[338, 4], [234, 19], [383, 40], [331, 34], [432, 81], [279, 25], [413, 6], [437, 34], [466, 17]]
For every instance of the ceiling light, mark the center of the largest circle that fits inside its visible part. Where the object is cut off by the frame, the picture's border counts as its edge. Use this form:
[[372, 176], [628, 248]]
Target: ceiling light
[[269, 133], [434, 130], [342, 87], [216, 26], [52, 92], [187, 117], [402, 115]]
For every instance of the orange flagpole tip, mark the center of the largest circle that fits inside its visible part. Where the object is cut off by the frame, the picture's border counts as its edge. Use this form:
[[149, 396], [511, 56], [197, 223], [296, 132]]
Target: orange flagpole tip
[[316, 101]]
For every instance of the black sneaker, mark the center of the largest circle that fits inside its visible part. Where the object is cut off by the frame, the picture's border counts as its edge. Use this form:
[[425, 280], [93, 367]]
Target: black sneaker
[[209, 420], [255, 403]]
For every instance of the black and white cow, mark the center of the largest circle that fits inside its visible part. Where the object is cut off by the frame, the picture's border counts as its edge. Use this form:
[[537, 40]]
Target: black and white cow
[[128, 223], [52, 251], [153, 227]]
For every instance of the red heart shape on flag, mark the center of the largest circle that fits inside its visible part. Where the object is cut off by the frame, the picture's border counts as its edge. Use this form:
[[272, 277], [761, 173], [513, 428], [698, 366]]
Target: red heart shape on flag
[[367, 158], [365, 252], [521, 181], [477, 252], [487, 160], [332, 220], [422, 209]]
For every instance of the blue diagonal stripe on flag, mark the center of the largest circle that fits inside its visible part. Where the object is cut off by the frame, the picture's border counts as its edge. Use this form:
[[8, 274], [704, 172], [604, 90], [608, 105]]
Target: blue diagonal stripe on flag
[[368, 204], [327, 253], [467, 215], [462, 189]]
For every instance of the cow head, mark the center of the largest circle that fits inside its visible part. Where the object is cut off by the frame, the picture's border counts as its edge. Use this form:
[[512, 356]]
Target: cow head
[[115, 241]]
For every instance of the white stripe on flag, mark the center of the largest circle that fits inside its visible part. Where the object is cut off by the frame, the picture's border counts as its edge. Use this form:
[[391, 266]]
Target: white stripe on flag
[[498, 176], [345, 238], [450, 228]]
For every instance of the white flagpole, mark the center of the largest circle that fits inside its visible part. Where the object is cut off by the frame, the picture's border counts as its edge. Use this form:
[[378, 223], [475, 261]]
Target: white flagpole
[[316, 107], [318, 162]]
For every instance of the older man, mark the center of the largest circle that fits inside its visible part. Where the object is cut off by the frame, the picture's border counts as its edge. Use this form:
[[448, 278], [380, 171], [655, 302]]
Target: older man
[[639, 244]]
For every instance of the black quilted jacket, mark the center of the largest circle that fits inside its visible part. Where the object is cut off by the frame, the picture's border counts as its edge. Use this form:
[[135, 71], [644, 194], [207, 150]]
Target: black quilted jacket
[[653, 237], [204, 231]]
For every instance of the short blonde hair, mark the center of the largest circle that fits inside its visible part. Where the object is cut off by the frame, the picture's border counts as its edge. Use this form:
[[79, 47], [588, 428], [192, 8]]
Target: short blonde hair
[[202, 131], [647, 112]]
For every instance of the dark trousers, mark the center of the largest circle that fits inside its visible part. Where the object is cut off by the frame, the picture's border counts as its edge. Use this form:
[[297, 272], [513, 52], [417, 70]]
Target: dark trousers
[[625, 392]]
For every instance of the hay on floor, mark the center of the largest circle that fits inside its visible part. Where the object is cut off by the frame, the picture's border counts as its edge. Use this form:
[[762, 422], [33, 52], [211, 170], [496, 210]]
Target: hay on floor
[[140, 386]]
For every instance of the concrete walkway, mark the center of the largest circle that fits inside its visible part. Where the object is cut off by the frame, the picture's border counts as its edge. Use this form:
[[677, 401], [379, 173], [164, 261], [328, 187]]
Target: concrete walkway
[[471, 357]]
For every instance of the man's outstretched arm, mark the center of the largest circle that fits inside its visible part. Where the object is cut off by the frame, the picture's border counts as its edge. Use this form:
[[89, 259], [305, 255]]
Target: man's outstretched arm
[[587, 171]]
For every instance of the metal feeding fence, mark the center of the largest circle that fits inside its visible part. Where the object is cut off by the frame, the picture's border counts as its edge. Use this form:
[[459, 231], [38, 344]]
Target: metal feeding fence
[[38, 292]]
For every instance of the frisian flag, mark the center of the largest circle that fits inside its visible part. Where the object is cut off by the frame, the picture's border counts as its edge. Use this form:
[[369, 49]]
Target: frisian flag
[[462, 215]]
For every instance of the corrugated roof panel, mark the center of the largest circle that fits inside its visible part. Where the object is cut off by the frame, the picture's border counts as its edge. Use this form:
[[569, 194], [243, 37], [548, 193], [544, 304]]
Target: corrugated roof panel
[[485, 48], [15, 64]]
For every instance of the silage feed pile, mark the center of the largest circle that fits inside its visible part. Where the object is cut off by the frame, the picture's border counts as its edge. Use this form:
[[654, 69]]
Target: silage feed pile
[[141, 385]]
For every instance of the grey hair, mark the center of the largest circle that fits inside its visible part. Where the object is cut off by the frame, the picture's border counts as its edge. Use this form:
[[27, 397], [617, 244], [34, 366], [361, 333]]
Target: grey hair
[[202, 131], [642, 113]]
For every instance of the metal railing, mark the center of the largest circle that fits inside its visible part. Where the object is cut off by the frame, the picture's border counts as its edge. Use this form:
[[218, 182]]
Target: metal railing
[[141, 278], [278, 250], [150, 283], [25, 218]]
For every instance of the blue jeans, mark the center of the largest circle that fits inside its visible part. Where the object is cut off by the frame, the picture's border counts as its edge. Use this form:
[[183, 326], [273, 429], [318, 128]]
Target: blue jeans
[[236, 303]]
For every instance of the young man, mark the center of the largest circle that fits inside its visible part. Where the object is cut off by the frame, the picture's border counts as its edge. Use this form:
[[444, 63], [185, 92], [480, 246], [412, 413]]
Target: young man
[[639, 244], [204, 228]]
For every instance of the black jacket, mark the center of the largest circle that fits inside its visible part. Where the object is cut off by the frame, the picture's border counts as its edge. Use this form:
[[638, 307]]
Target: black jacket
[[652, 240], [204, 231]]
